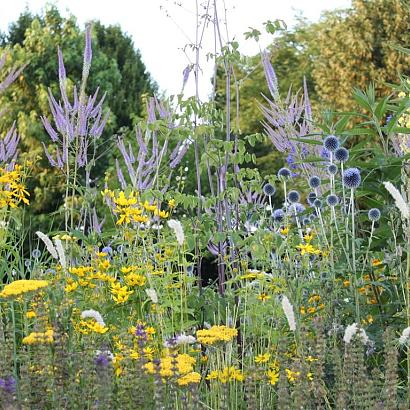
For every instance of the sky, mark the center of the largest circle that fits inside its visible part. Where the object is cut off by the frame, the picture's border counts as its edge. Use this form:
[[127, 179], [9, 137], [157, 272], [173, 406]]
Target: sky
[[161, 29]]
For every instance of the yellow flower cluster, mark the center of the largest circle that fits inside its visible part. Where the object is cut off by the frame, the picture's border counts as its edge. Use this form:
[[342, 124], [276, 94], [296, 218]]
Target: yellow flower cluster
[[308, 249], [228, 374], [85, 327], [33, 338], [262, 358], [129, 209], [291, 375], [189, 378], [133, 278], [182, 364], [12, 191], [19, 287], [87, 274], [273, 376], [119, 293], [216, 334], [314, 305]]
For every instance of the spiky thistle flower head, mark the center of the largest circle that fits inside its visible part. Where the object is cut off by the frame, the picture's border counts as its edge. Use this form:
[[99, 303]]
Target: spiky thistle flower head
[[314, 182], [331, 143], [351, 178], [311, 198], [278, 215], [296, 208], [374, 214], [293, 196], [317, 203], [284, 173], [332, 169], [332, 200], [269, 189], [342, 154]]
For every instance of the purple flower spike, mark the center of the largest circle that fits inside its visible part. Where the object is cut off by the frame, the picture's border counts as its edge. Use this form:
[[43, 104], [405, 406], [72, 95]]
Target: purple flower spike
[[88, 54], [270, 75], [8, 384], [140, 331], [61, 69], [102, 360]]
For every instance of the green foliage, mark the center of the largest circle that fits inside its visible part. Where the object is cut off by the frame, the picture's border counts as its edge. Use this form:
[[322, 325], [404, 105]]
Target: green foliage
[[117, 70]]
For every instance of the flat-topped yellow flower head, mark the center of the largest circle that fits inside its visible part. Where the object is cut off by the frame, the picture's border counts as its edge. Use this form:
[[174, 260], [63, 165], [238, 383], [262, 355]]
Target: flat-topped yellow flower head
[[20, 287]]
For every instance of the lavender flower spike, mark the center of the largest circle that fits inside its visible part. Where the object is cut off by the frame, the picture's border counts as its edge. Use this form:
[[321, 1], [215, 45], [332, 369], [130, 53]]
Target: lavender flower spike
[[61, 69], [88, 54], [270, 75]]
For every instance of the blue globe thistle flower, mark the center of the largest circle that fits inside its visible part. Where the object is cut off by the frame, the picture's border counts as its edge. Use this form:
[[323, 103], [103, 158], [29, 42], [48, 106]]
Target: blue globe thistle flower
[[351, 178], [311, 198], [342, 154], [107, 249], [296, 208], [314, 182], [374, 214], [284, 172], [36, 253], [317, 203], [269, 189], [332, 200], [331, 143], [324, 153], [278, 215], [332, 169], [293, 196]]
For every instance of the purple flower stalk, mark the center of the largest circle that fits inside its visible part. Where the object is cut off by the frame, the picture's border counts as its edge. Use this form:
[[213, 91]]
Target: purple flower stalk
[[270, 74], [142, 167], [8, 384], [102, 360], [76, 124]]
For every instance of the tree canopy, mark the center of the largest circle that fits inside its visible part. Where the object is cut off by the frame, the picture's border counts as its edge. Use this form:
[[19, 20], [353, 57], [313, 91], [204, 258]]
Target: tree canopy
[[346, 49], [117, 70]]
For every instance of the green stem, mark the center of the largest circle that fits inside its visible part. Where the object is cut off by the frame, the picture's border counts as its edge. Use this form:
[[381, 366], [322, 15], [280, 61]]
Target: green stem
[[356, 293]]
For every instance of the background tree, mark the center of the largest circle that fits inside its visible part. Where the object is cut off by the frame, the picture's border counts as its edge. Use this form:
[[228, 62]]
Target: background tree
[[346, 49], [117, 69], [354, 48]]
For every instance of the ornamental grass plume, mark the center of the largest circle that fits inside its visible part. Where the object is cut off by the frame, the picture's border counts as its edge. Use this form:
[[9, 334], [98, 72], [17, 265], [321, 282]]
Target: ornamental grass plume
[[398, 199], [176, 226], [91, 313], [20, 287], [152, 294], [288, 310], [61, 253], [352, 330], [49, 245], [405, 336]]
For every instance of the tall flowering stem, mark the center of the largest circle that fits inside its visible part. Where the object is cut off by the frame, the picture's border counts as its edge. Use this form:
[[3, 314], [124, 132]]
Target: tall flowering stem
[[77, 127], [153, 154]]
